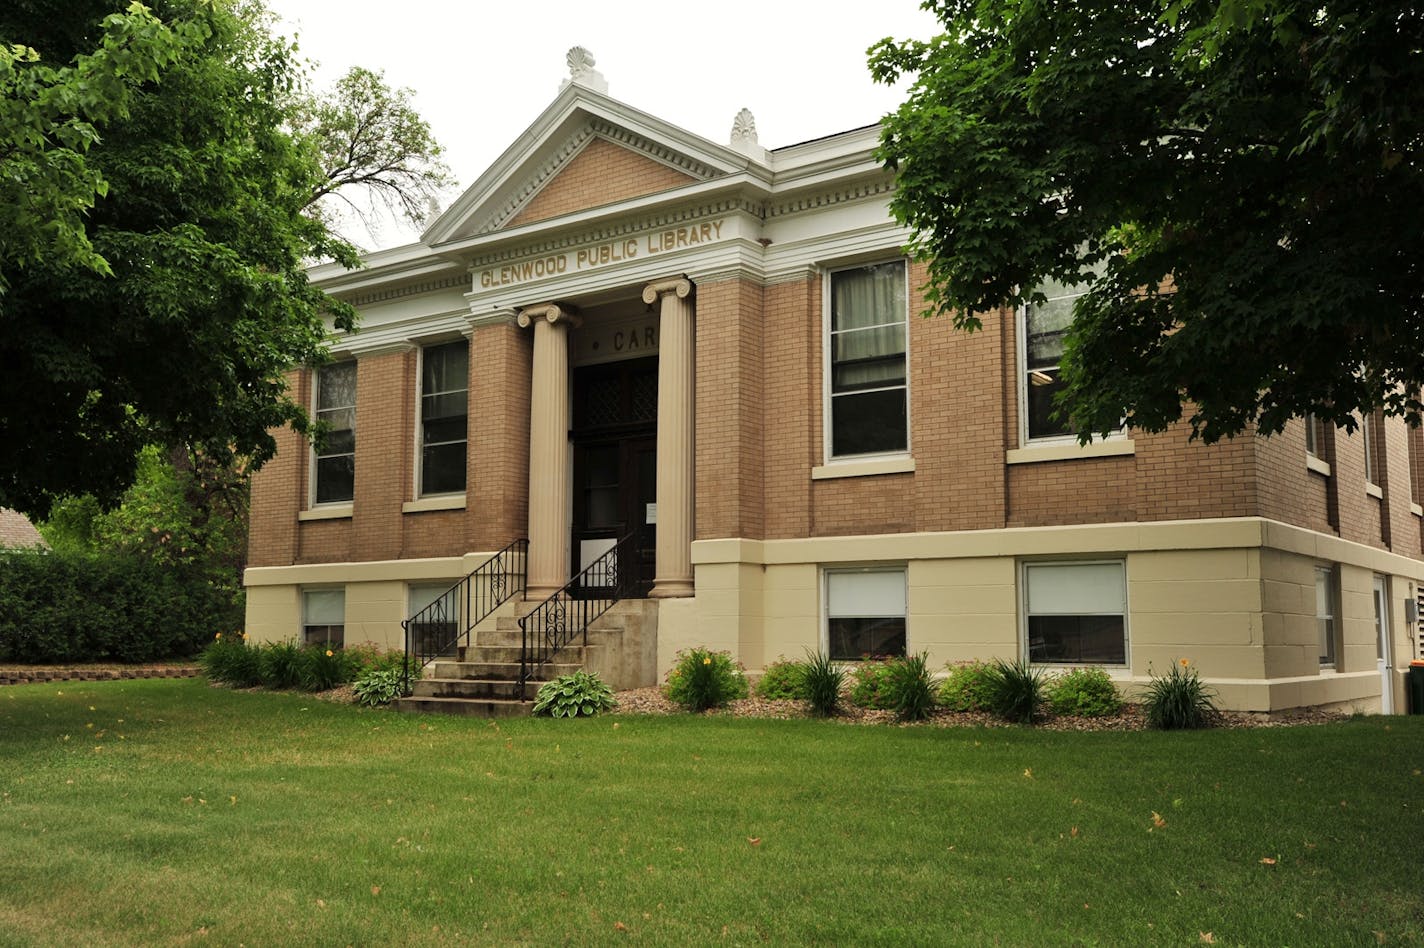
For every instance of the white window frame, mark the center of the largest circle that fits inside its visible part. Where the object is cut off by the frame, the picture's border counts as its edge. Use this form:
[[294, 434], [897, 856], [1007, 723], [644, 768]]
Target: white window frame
[[826, 396], [419, 465], [304, 624], [1331, 639], [829, 571], [312, 454], [1121, 562], [1367, 441]]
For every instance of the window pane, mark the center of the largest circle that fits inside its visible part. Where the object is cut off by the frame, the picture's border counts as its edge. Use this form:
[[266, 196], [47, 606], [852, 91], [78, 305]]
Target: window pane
[[1097, 640], [335, 478], [446, 405], [324, 606], [868, 296], [442, 468], [852, 639], [867, 373], [445, 368], [871, 593], [445, 430], [336, 386], [1075, 588], [1042, 386], [1046, 325], [868, 422], [332, 636], [602, 506], [338, 442]]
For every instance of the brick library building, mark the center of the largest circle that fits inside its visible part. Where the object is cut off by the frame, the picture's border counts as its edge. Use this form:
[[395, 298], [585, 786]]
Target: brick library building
[[650, 391]]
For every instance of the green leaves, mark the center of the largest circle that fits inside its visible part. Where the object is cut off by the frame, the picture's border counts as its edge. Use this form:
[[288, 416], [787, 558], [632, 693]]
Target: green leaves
[[1241, 170], [580, 694]]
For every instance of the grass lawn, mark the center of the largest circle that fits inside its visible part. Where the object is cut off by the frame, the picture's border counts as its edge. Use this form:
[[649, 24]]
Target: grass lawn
[[141, 812]]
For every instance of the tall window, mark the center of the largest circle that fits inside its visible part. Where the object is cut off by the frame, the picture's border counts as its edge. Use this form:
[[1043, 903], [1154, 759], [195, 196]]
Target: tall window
[[1314, 436], [324, 617], [1044, 325], [1076, 612], [865, 613], [868, 391], [1325, 600], [444, 403], [336, 408], [1370, 442]]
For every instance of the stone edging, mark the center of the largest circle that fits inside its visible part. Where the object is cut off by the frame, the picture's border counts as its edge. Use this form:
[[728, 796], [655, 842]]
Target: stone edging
[[26, 676]]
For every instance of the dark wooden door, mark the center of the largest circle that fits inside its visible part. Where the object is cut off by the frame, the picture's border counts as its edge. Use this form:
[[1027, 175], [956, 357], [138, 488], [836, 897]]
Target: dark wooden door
[[615, 463]]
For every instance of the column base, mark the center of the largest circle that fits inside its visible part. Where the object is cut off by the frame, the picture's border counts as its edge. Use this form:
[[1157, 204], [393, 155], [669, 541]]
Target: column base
[[672, 589], [540, 593]]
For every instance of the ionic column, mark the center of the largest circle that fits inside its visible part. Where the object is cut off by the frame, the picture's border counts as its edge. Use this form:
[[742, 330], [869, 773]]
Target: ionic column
[[675, 441], [549, 458]]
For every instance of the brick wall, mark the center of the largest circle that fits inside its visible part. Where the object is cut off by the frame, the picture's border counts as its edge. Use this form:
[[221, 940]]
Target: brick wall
[[279, 490], [791, 409], [497, 485], [602, 173], [729, 409]]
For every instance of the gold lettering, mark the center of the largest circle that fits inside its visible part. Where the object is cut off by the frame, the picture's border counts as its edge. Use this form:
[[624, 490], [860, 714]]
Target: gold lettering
[[718, 226]]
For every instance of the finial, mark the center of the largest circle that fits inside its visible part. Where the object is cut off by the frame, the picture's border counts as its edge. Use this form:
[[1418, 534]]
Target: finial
[[581, 71], [744, 136]]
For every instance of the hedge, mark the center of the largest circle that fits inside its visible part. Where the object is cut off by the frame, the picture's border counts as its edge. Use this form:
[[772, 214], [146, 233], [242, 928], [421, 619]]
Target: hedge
[[58, 608]]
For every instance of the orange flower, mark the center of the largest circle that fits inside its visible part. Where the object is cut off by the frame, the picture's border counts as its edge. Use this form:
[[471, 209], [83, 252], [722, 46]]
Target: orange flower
[[1184, 662], [329, 653], [218, 636]]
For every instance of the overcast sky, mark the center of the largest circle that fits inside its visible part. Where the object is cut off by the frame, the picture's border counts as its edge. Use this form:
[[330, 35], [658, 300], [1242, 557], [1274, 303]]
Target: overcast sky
[[482, 72]]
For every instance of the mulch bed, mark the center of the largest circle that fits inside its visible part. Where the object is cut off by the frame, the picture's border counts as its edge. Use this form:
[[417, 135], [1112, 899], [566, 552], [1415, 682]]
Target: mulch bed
[[653, 701]]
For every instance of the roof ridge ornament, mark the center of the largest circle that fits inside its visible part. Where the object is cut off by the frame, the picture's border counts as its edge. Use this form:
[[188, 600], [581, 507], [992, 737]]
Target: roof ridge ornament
[[581, 71], [744, 136]]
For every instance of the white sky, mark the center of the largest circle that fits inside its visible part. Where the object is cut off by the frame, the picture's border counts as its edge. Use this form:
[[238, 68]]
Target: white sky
[[482, 72]]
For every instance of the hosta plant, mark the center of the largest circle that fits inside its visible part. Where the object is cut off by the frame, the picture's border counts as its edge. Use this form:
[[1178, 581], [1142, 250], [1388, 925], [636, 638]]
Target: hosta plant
[[581, 694]]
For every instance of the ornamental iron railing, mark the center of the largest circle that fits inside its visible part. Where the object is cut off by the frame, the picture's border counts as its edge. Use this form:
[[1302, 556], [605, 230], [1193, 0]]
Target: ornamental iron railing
[[566, 615], [441, 626]]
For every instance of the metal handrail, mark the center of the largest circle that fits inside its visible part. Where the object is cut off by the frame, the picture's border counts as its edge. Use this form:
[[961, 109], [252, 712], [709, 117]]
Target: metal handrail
[[437, 628], [567, 614]]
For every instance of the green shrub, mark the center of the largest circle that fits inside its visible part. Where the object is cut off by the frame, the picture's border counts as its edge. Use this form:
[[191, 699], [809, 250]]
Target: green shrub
[[320, 668], [910, 688], [967, 687], [1179, 701], [66, 607], [569, 696], [229, 659], [281, 665], [1086, 692], [822, 680], [376, 687], [868, 686], [1015, 691], [782, 680], [702, 679]]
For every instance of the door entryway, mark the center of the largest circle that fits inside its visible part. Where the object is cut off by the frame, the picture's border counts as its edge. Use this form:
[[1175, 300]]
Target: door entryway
[[1382, 646], [614, 436]]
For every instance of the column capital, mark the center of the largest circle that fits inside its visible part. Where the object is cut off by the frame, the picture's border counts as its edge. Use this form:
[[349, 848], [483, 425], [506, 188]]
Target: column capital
[[552, 312], [681, 286]]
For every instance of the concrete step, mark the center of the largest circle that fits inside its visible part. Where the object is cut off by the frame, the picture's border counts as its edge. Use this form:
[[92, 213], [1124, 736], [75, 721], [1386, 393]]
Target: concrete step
[[479, 708], [473, 688], [509, 654], [504, 671]]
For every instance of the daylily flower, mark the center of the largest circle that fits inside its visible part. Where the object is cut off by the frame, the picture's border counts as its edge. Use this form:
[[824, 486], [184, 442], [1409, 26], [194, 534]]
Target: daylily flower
[[329, 653]]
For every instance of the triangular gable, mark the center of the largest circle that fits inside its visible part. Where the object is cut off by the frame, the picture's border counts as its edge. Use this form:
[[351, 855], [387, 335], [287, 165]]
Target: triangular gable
[[601, 173], [555, 167]]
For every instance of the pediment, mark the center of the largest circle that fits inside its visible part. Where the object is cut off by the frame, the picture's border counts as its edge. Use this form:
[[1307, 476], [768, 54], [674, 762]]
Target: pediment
[[586, 150]]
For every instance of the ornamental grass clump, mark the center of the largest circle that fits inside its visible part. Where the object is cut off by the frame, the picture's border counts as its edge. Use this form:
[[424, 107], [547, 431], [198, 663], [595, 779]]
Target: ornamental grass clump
[[1015, 691], [782, 681], [822, 680], [909, 687], [966, 687], [281, 665], [230, 660], [1179, 700], [322, 668], [1084, 692], [702, 679], [581, 694]]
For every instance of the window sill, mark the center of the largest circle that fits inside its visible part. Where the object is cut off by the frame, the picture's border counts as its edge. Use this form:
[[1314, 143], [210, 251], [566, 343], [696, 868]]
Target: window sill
[[1415, 509], [866, 468], [334, 512], [1374, 490], [1035, 453], [445, 502], [1313, 463]]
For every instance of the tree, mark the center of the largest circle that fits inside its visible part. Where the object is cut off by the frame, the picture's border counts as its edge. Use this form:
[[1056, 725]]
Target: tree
[[1239, 183], [370, 139], [199, 158]]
